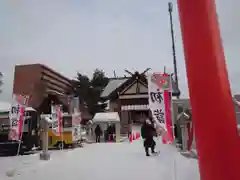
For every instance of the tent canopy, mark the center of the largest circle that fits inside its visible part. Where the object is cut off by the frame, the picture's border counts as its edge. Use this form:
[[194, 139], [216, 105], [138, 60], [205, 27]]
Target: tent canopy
[[106, 117]]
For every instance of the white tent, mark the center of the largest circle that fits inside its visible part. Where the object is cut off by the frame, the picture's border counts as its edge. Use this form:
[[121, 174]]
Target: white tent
[[108, 117], [105, 117]]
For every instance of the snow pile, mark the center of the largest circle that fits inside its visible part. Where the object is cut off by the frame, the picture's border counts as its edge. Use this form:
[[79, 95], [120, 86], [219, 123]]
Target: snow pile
[[12, 166], [17, 165], [113, 161]]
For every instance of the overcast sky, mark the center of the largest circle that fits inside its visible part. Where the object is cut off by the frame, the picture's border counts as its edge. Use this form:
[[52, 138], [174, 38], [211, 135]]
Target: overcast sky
[[81, 35]]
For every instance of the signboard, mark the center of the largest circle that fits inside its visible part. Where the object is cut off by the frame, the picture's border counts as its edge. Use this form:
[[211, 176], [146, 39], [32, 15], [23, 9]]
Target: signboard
[[134, 107]]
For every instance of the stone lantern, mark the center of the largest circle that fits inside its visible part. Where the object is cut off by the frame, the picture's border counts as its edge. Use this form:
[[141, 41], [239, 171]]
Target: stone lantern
[[184, 120]]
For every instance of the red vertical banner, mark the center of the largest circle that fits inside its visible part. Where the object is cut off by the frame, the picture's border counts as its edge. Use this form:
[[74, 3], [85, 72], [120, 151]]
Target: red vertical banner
[[214, 118], [16, 116], [21, 122], [60, 120], [167, 102]]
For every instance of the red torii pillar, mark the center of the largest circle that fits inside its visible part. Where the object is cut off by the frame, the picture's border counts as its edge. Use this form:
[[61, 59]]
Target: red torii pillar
[[213, 111]]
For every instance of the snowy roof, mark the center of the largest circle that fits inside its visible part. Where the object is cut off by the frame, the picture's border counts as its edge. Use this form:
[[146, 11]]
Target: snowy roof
[[5, 107], [106, 117], [121, 83], [112, 85]]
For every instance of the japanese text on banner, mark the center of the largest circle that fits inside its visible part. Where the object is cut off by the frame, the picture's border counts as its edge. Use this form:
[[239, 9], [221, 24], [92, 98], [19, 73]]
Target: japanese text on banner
[[76, 126], [56, 119], [76, 119], [156, 102], [16, 116]]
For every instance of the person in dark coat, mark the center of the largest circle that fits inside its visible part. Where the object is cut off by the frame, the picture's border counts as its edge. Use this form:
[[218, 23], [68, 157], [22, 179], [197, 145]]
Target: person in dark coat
[[110, 132], [98, 133], [148, 131]]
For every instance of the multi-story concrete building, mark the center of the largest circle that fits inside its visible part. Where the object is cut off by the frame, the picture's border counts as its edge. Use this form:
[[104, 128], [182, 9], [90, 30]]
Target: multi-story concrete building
[[41, 84], [44, 86]]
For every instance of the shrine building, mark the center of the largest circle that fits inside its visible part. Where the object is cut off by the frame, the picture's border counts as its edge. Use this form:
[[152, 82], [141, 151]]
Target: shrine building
[[129, 97]]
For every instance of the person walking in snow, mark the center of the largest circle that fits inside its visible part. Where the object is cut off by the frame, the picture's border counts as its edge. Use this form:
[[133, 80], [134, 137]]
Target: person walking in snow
[[98, 133], [148, 131]]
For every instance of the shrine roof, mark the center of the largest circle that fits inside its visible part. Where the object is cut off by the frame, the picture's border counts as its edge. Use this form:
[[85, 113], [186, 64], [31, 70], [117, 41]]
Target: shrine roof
[[116, 85], [112, 86]]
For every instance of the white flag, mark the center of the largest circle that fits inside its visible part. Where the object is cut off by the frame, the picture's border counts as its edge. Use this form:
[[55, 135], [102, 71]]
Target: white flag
[[156, 102]]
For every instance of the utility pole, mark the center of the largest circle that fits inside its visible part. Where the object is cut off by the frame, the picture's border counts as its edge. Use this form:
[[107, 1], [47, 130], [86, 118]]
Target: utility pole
[[170, 8], [1, 80]]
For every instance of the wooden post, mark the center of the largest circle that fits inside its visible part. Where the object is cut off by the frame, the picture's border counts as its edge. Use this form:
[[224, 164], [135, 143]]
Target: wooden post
[[214, 118]]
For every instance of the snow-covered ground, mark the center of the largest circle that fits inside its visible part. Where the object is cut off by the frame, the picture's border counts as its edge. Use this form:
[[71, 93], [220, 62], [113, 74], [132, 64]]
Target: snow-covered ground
[[108, 161]]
